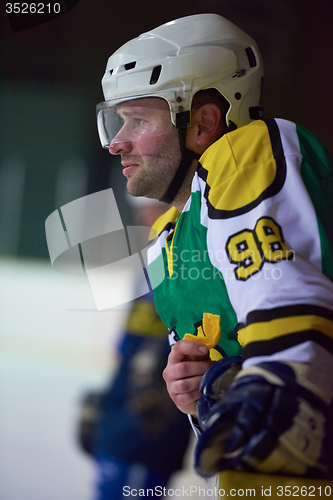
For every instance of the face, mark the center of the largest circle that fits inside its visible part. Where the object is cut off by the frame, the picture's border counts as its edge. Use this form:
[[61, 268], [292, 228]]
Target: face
[[148, 145]]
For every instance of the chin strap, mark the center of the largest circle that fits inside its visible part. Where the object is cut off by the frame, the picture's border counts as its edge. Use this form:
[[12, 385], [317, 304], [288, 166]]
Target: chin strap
[[184, 165], [182, 121]]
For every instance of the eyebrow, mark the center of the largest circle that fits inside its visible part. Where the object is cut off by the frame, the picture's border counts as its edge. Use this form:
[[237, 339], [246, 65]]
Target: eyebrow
[[132, 111]]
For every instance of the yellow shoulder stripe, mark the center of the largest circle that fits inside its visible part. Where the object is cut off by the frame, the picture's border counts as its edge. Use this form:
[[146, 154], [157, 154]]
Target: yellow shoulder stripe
[[240, 166]]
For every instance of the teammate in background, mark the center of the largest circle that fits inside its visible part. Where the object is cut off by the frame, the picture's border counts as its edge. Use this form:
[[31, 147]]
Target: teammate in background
[[246, 248], [133, 431]]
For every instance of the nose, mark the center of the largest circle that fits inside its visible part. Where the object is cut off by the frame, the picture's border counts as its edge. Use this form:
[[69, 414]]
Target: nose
[[119, 147]]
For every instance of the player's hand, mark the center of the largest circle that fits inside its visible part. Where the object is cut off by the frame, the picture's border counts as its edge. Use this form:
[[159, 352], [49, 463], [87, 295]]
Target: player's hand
[[187, 363], [268, 420]]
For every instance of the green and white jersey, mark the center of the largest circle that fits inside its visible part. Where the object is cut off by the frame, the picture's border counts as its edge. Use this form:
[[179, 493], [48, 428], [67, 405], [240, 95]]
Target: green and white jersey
[[253, 247]]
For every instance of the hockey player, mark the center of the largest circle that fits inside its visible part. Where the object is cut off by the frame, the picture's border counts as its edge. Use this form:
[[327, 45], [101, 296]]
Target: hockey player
[[242, 267]]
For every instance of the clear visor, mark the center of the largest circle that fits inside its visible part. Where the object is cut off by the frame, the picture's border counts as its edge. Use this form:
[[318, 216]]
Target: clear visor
[[135, 119]]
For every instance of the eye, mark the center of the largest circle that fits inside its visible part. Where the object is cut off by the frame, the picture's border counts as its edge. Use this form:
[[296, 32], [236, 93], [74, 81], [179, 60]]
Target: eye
[[137, 122]]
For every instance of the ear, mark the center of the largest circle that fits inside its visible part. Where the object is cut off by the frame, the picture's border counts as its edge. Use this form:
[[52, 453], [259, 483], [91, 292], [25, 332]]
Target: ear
[[206, 126]]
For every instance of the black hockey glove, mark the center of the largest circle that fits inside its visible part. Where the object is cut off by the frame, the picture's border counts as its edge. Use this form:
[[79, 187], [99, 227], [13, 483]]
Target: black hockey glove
[[271, 419]]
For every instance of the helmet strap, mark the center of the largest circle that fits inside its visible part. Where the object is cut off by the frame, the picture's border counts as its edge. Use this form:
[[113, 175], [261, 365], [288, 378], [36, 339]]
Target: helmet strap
[[186, 160]]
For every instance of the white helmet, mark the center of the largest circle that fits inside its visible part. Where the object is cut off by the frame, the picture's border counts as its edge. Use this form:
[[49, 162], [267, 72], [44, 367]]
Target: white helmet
[[179, 58]]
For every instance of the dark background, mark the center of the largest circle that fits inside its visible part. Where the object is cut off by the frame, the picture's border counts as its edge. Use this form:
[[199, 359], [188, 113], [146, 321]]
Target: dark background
[[50, 83]]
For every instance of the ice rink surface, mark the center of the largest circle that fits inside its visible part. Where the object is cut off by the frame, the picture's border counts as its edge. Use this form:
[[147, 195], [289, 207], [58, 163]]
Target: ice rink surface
[[54, 345]]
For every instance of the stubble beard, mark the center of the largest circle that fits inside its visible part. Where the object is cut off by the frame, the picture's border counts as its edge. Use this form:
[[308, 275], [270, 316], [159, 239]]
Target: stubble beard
[[156, 170]]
